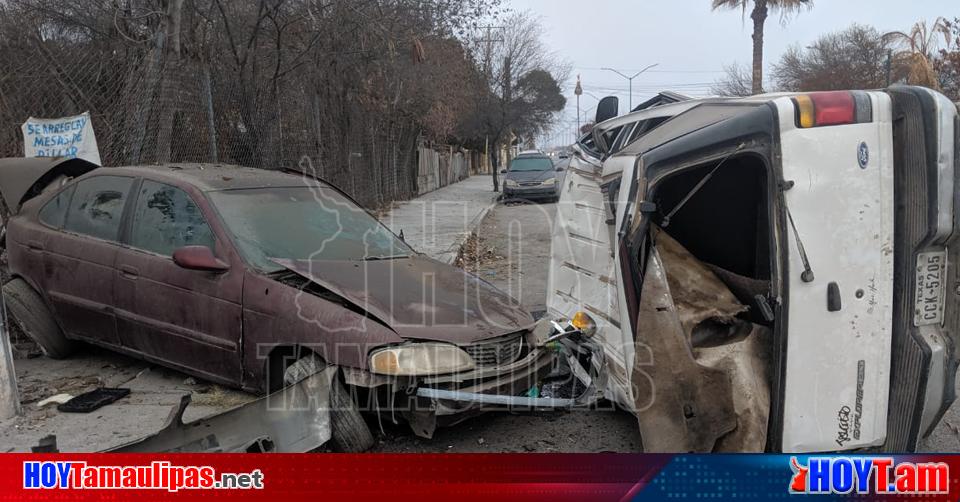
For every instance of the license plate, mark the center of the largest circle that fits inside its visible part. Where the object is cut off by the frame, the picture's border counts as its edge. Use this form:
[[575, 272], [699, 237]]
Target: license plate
[[930, 278]]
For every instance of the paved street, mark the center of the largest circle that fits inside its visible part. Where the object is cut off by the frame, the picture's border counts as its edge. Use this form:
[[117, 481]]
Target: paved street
[[520, 235]]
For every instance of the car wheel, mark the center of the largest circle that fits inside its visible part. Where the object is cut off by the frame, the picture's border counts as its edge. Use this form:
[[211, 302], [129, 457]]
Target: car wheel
[[30, 312], [349, 432]]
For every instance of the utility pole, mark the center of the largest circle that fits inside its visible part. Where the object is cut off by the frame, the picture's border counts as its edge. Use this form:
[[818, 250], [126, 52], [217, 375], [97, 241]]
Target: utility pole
[[889, 66], [507, 99], [630, 79], [488, 50]]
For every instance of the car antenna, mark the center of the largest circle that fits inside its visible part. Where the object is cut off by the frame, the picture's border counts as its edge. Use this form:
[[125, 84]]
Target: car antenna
[[666, 219]]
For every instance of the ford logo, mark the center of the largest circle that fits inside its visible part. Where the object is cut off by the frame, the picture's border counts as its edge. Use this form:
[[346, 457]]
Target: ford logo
[[863, 155]]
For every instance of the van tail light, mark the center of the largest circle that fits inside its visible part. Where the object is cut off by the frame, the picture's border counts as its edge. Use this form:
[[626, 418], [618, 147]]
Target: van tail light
[[819, 109]]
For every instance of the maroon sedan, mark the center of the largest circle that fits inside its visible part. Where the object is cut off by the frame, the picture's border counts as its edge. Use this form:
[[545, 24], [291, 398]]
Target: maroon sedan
[[251, 278]]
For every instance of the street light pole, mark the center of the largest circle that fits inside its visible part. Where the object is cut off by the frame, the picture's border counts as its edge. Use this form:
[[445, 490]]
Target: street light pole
[[630, 80], [578, 91]]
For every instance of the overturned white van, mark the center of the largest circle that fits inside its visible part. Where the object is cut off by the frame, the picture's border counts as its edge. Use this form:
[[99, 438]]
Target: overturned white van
[[771, 273]]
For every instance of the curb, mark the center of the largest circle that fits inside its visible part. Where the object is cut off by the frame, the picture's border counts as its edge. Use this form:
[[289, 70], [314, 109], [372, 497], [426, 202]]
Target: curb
[[450, 255]]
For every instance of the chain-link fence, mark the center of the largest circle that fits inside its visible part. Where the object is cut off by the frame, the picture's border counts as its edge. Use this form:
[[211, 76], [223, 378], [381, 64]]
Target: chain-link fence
[[238, 97]]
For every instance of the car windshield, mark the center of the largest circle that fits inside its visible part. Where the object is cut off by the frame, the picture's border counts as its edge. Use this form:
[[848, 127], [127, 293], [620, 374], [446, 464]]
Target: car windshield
[[303, 223], [531, 164]]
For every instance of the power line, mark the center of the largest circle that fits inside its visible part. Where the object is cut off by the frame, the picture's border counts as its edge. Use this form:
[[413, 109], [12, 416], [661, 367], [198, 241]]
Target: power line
[[653, 71]]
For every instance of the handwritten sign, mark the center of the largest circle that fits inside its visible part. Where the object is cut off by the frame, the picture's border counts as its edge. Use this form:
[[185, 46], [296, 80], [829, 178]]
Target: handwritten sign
[[63, 137]]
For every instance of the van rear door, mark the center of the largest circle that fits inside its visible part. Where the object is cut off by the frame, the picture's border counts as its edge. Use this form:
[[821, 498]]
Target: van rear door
[[838, 338]]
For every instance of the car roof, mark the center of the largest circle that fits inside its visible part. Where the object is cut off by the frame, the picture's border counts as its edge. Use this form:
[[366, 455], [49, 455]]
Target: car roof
[[216, 177]]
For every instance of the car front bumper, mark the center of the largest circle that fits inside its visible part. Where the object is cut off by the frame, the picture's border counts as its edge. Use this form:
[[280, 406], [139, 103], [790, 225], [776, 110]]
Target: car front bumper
[[533, 192], [443, 400]]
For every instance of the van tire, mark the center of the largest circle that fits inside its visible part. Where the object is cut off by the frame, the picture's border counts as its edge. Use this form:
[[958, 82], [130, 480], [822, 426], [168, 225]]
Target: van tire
[[30, 312], [349, 432]]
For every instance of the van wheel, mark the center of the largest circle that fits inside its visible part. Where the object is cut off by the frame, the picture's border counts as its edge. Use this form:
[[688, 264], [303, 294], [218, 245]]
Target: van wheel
[[349, 432], [30, 312]]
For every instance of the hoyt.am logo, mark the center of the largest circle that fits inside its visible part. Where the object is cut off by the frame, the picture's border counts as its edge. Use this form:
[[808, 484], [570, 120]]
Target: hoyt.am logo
[[876, 475]]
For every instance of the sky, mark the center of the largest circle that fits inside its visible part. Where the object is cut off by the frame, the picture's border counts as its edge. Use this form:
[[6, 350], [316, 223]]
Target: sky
[[688, 41]]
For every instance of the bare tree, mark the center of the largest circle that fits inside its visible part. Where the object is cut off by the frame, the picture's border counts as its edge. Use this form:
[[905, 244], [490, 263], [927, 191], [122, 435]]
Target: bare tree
[[736, 82], [522, 78], [353, 84], [947, 64]]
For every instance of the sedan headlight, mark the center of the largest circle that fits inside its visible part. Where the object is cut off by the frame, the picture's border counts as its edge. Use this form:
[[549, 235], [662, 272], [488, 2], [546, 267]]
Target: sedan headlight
[[420, 359], [510, 183], [550, 181]]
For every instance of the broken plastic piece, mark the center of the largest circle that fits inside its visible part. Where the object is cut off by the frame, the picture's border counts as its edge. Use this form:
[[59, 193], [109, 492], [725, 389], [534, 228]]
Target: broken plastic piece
[[295, 419], [47, 444], [95, 399], [58, 399]]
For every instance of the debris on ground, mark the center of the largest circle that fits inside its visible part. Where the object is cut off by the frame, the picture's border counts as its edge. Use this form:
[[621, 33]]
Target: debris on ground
[[219, 397], [55, 399], [295, 419], [475, 253], [93, 400]]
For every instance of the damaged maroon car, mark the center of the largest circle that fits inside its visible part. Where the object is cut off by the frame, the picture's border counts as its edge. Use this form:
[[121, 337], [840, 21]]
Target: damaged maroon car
[[254, 279]]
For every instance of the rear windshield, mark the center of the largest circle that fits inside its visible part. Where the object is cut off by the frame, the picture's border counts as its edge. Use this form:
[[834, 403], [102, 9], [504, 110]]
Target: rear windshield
[[531, 164]]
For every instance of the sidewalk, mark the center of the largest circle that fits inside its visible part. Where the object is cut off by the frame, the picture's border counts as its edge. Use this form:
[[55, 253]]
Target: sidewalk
[[438, 222]]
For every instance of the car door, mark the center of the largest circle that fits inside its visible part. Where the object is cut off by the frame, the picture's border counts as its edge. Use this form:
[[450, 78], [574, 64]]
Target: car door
[[185, 318], [78, 260]]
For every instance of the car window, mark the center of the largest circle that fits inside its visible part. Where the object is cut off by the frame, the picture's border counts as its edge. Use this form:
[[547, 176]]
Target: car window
[[97, 206], [531, 164], [166, 218], [55, 211], [303, 223]]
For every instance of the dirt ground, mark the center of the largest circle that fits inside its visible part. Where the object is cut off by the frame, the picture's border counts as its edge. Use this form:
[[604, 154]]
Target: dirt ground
[[154, 391]]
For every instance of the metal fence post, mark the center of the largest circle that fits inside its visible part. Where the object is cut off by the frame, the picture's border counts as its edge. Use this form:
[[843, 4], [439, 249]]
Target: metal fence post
[[211, 119], [9, 396]]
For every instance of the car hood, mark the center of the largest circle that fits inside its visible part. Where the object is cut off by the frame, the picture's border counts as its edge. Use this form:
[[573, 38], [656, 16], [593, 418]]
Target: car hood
[[420, 298], [24, 177], [524, 176]]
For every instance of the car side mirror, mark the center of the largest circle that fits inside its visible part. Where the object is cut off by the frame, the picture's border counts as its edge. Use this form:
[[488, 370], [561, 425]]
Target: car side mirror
[[198, 258], [559, 169], [503, 171]]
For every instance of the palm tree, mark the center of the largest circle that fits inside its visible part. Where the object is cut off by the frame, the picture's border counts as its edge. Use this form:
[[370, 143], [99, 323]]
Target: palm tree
[[914, 62], [759, 16]]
